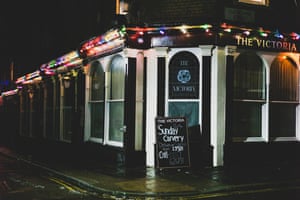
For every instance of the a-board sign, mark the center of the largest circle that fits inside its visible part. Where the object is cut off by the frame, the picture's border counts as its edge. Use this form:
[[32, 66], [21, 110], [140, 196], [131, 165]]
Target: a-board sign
[[172, 149]]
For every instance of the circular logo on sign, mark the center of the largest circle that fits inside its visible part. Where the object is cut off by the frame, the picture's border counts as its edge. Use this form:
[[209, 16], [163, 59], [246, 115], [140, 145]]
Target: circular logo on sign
[[184, 76]]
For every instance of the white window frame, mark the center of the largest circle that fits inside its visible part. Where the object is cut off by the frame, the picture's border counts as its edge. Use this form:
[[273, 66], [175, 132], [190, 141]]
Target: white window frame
[[264, 109], [197, 53], [267, 59], [108, 101], [88, 127], [295, 58], [105, 63], [255, 2]]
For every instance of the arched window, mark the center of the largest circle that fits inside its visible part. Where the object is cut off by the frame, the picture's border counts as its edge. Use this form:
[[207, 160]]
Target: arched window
[[249, 95], [284, 97], [68, 103], [249, 77], [284, 83], [116, 99], [97, 81], [260, 110], [183, 96], [96, 102]]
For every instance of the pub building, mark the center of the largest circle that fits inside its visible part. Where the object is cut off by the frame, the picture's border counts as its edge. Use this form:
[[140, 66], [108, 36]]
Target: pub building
[[63, 101], [50, 99], [236, 86]]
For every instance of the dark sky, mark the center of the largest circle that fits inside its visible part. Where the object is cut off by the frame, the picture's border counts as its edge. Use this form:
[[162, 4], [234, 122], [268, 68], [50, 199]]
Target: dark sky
[[35, 32]]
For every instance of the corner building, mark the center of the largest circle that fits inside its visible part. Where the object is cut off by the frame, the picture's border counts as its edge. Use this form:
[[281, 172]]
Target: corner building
[[225, 66], [237, 87], [228, 67]]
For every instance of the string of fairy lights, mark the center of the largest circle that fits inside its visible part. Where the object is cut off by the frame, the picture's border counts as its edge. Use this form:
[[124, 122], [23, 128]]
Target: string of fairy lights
[[116, 38]]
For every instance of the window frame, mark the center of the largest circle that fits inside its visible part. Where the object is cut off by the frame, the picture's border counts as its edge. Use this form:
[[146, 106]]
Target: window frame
[[109, 101], [255, 2], [263, 102], [95, 101], [195, 52], [296, 102], [105, 63], [268, 58]]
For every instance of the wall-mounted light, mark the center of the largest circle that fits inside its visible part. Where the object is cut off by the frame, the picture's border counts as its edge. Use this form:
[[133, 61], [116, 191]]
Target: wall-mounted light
[[66, 81]]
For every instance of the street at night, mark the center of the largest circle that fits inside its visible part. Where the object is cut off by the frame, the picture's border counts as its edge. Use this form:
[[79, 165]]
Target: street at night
[[154, 100], [19, 180], [24, 177], [291, 193]]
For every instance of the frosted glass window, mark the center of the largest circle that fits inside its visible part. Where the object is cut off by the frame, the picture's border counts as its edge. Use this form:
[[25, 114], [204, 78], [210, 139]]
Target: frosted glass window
[[97, 90], [116, 102]]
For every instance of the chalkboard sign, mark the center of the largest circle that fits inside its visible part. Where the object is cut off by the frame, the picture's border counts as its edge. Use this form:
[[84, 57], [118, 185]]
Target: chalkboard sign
[[172, 148]]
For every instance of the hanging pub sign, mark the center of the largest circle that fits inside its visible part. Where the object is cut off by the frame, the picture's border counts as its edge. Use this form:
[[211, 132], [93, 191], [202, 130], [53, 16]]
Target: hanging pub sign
[[172, 149], [184, 76]]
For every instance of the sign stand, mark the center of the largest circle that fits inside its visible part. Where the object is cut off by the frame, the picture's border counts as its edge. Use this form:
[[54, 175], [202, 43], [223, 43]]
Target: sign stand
[[172, 143]]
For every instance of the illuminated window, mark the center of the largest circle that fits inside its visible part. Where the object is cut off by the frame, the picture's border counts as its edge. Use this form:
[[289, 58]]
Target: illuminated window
[[262, 111], [97, 101], [106, 102], [184, 87], [255, 2], [284, 97], [116, 100], [121, 7]]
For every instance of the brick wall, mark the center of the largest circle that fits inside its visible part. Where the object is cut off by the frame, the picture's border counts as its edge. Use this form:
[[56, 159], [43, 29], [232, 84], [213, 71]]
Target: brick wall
[[278, 15], [173, 11]]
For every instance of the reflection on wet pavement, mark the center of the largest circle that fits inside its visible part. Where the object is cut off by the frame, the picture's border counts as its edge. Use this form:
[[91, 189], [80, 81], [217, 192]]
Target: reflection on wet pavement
[[152, 185]]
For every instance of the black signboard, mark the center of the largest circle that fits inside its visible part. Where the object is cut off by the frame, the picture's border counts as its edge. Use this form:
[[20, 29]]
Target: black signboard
[[184, 76], [172, 148]]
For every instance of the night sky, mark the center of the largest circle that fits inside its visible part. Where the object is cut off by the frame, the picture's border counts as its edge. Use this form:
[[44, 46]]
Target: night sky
[[35, 32]]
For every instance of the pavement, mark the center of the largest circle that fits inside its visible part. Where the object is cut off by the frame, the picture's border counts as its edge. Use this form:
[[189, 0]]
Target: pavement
[[166, 183]]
